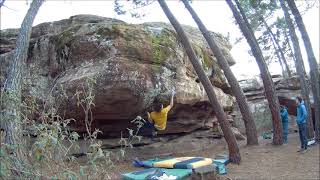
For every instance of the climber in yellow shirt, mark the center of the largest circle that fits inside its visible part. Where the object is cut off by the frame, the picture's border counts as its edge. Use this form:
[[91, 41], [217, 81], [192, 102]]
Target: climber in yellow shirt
[[158, 117]]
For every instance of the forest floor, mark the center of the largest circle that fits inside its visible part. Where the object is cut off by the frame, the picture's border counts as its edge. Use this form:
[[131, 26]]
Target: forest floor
[[260, 162], [270, 162]]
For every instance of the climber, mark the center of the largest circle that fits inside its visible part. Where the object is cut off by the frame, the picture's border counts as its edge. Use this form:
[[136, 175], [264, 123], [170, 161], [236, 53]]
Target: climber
[[284, 117], [157, 119]]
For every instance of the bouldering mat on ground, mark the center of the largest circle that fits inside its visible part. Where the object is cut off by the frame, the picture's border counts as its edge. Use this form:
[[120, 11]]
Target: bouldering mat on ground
[[221, 161], [143, 174], [181, 162], [149, 163]]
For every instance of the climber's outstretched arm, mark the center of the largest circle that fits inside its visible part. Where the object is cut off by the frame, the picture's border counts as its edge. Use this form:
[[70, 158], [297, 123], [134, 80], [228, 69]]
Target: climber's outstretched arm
[[171, 102]]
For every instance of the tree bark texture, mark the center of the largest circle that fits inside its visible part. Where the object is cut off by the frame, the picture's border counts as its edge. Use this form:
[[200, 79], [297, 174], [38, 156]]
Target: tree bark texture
[[11, 97], [314, 66], [265, 74], [299, 67], [247, 116], [234, 153]]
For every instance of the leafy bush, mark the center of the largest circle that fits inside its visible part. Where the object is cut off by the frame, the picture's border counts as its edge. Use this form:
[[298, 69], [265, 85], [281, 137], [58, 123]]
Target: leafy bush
[[47, 145]]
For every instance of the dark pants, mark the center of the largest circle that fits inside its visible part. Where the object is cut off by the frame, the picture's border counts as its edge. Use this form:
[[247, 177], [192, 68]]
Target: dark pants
[[303, 135], [148, 129], [285, 131]]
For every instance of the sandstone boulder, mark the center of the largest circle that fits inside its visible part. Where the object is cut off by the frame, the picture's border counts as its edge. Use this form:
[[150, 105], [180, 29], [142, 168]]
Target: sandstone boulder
[[123, 67]]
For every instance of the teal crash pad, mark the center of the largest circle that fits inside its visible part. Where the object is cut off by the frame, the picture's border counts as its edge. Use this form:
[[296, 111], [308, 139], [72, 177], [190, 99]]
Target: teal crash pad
[[221, 161], [266, 135], [142, 174], [221, 168]]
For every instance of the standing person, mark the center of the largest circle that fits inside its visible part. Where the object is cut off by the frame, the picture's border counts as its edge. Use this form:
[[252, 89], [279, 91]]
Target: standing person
[[285, 121], [302, 121]]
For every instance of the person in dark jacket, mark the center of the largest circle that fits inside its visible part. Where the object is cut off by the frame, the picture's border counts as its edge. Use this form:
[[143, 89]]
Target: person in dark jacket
[[285, 121], [301, 122]]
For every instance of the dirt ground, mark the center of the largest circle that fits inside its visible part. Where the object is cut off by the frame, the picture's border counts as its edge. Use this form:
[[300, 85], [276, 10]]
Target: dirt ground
[[269, 162], [261, 162]]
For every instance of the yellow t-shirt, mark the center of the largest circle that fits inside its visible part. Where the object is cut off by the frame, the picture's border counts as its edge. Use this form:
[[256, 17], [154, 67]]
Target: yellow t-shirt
[[160, 118]]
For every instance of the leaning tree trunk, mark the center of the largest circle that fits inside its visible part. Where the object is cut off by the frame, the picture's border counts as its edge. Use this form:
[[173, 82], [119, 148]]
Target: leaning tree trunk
[[284, 72], [277, 47], [234, 153], [314, 71], [265, 74], [289, 45], [11, 98], [299, 67], [247, 116]]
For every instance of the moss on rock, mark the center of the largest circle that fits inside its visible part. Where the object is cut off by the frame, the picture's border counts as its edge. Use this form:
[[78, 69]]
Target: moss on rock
[[111, 32], [66, 36], [162, 45]]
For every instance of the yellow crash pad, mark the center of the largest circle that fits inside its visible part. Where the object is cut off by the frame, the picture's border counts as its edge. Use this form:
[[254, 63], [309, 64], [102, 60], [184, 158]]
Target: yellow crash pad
[[183, 163]]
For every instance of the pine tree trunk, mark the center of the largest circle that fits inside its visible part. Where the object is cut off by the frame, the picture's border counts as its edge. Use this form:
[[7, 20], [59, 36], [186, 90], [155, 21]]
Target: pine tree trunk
[[314, 71], [247, 116], [284, 72], [289, 45], [265, 74], [11, 98], [299, 67], [234, 153], [277, 47]]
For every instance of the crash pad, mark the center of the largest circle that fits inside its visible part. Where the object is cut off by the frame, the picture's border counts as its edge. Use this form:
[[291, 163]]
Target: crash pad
[[220, 162], [183, 162], [143, 174], [221, 168], [266, 135], [148, 163]]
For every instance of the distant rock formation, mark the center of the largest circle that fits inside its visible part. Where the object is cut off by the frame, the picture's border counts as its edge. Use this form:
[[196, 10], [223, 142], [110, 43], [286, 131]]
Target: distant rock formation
[[287, 90]]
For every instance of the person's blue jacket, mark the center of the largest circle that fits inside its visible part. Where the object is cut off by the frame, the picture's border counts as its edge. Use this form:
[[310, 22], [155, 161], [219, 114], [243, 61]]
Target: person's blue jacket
[[284, 115], [301, 113]]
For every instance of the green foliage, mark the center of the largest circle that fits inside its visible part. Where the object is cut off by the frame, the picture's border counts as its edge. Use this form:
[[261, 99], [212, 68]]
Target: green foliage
[[3, 166], [120, 9], [205, 58], [162, 45], [110, 32], [48, 153], [85, 99], [67, 174], [258, 11], [133, 135], [50, 137], [256, 8]]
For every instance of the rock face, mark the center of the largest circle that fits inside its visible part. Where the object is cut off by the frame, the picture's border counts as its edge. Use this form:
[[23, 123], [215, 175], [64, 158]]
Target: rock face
[[287, 90], [123, 66]]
